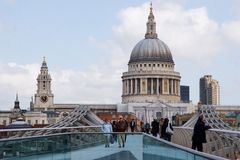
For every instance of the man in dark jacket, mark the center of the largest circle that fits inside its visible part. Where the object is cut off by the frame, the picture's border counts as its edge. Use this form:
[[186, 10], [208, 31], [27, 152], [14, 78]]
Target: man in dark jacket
[[199, 135], [155, 127], [132, 125]]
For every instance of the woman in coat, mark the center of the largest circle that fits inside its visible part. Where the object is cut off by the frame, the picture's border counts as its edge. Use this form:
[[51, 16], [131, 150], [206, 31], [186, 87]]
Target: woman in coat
[[164, 134]]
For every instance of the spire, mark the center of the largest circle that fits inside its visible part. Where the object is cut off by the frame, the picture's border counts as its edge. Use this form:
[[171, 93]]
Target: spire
[[16, 97], [151, 25], [44, 63], [151, 7], [16, 103], [31, 104]]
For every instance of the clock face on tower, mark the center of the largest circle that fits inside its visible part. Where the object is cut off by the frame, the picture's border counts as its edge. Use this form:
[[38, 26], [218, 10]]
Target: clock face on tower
[[44, 98]]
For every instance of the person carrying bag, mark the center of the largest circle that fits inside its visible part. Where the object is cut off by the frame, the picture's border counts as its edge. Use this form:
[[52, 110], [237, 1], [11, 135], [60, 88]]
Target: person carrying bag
[[167, 130]]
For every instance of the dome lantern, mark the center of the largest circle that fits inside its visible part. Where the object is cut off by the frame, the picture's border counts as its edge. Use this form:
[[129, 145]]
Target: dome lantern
[[151, 26]]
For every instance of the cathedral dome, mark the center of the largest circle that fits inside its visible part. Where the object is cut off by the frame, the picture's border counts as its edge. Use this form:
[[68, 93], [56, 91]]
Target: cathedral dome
[[151, 77], [151, 49]]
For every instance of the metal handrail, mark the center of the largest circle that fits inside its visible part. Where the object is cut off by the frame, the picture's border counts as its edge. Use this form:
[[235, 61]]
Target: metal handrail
[[57, 128], [213, 129]]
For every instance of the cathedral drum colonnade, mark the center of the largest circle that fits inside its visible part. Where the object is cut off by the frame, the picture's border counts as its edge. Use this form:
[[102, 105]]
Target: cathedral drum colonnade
[[151, 76]]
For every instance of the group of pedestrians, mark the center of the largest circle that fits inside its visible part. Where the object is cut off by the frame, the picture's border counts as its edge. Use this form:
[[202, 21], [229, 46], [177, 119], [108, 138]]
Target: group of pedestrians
[[163, 128], [119, 126]]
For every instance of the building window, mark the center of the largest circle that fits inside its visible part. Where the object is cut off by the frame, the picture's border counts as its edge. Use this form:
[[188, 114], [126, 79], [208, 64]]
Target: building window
[[153, 65], [36, 122], [42, 121], [145, 65], [29, 121], [158, 65], [162, 65], [140, 65], [149, 65]]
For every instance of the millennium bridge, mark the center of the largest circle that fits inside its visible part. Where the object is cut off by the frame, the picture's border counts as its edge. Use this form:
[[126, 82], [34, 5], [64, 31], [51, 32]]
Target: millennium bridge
[[79, 136]]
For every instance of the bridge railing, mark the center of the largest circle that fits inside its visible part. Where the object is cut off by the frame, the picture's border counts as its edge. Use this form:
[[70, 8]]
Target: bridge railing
[[25, 132], [90, 145], [224, 143]]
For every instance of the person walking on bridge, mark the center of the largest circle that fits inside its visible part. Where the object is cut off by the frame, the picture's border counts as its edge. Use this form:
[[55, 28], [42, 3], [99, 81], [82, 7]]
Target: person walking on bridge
[[167, 130], [132, 125], [121, 127], [199, 135], [107, 129]]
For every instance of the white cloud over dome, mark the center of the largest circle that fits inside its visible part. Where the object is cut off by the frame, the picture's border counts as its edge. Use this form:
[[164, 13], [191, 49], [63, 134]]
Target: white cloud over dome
[[189, 33]]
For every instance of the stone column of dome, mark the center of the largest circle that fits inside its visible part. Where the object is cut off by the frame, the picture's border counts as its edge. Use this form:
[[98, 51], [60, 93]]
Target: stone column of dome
[[127, 87], [140, 85], [169, 86], [157, 89], [130, 86], [178, 87], [135, 85], [175, 87], [144, 85], [130, 82], [151, 85], [164, 86]]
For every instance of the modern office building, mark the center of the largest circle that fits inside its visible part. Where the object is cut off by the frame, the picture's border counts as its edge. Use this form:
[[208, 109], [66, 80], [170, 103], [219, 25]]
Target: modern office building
[[209, 90], [184, 93]]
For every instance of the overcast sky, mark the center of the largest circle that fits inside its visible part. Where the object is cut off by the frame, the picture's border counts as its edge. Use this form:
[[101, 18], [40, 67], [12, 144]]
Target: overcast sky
[[87, 45]]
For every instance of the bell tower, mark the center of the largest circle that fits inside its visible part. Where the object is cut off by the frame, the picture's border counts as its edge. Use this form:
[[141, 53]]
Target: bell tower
[[44, 96]]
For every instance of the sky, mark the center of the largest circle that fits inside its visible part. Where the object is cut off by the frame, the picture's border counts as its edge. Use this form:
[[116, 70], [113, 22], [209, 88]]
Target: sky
[[87, 45]]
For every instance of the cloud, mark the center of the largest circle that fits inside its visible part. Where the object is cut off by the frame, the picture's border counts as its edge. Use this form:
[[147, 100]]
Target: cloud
[[94, 85], [189, 33], [17, 78], [231, 31]]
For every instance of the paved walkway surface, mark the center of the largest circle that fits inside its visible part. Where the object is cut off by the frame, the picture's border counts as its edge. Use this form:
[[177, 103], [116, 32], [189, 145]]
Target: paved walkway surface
[[133, 150]]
